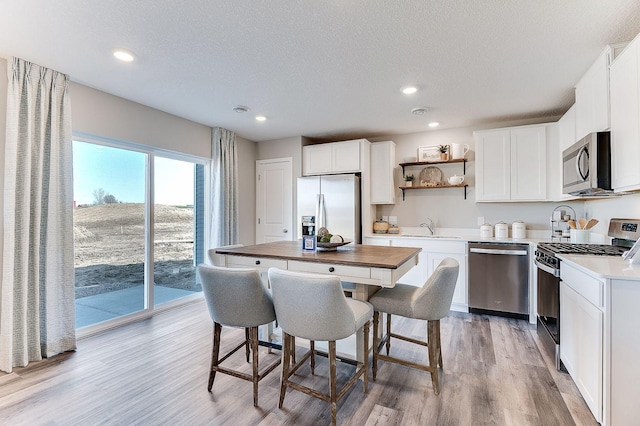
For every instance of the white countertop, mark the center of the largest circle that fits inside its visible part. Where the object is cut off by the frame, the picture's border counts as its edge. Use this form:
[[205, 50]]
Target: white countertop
[[464, 235], [612, 267]]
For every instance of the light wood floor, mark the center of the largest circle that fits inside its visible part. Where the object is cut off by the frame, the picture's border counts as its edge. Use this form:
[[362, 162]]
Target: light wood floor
[[155, 372]]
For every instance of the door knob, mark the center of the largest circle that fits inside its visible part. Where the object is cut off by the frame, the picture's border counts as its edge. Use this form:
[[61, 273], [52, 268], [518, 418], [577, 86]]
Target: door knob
[[284, 231]]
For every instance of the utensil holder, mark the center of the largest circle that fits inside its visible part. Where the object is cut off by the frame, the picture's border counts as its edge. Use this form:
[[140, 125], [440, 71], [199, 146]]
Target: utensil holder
[[580, 236]]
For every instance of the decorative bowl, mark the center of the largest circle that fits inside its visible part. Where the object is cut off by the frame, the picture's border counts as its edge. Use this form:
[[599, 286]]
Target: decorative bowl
[[331, 246]]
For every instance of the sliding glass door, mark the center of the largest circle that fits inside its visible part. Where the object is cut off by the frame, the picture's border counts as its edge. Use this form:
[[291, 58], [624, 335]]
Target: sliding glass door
[[138, 230], [178, 199]]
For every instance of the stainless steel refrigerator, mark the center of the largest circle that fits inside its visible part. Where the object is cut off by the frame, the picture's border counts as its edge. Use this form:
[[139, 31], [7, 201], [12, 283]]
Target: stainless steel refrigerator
[[335, 202]]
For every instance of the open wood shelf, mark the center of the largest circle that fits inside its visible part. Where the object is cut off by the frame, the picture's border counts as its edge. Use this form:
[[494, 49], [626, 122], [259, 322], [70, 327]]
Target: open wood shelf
[[429, 163], [463, 185]]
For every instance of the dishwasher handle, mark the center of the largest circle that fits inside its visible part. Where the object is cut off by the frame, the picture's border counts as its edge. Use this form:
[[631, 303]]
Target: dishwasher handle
[[497, 251]]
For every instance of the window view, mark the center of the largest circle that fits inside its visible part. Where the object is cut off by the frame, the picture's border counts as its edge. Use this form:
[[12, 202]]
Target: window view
[[176, 231], [110, 234], [109, 231]]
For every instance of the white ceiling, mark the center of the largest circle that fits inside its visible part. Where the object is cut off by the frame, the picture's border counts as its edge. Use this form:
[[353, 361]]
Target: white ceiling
[[325, 69]]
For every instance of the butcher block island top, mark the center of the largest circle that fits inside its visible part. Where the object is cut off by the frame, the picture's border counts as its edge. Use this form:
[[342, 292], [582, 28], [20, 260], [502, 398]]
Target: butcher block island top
[[350, 254]]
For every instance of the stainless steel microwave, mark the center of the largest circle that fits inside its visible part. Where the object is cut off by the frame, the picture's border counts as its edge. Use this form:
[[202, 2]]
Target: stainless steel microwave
[[586, 166]]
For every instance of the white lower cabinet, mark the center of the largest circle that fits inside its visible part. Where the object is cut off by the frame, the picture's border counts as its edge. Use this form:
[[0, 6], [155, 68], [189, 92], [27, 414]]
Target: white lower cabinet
[[433, 252], [581, 347]]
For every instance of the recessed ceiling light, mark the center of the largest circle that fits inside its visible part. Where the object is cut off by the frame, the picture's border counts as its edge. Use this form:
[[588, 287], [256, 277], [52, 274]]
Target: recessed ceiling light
[[409, 90], [434, 124], [123, 55], [240, 109], [261, 117], [419, 111]]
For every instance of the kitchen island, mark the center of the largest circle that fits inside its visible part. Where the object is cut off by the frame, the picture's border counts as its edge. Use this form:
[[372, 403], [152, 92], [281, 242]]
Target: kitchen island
[[362, 269]]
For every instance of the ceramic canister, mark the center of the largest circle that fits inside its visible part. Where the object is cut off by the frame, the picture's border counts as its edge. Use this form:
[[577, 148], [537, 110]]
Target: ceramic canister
[[486, 231], [502, 231], [518, 230]]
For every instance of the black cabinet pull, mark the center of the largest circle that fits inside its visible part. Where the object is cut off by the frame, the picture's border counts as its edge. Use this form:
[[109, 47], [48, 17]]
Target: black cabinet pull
[[257, 262], [331, 269]]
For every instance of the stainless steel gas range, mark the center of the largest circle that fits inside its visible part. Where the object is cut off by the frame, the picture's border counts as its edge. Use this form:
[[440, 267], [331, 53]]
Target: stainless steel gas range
[[624, 233]]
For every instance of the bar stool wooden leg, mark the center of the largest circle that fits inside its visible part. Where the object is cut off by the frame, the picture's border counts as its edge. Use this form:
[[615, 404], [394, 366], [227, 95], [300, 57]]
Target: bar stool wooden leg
[[333, 393], [432, 330], [439, 345], [376, 342], [312, 348], [255, 375], [388, 345], [215, 353], [286, 359], [365, 364], [246, 344]]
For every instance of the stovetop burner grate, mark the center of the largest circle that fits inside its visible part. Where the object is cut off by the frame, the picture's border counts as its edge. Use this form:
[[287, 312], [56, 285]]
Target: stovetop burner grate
[[567, 248]]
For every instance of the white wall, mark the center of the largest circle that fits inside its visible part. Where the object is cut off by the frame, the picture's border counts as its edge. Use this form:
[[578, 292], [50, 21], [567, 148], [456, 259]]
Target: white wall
[[624, 207], [101, 114]]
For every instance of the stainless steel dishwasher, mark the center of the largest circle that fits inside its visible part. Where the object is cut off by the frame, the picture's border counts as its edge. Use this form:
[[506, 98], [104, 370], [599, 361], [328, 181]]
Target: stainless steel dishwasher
[[499, 278]]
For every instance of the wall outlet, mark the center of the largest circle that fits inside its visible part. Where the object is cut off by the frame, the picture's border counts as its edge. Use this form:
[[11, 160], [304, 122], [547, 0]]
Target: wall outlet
[[480, 220], [393, 220]]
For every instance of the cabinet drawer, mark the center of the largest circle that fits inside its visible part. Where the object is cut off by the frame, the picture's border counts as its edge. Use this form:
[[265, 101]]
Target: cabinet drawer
[[587, 286], [255, 262], [326, 268]]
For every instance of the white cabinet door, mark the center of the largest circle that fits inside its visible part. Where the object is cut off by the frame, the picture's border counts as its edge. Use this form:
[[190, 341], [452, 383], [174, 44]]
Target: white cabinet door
[[581, 349], [592, 97], [568, 129], [345, 157], [511, 164], [493, 165], [528, 164], [383, 158], [316, 159], [334, 157], [625, 119]]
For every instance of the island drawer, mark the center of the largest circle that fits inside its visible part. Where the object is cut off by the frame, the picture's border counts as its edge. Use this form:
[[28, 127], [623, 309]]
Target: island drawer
[[255, 262], [330, 269]]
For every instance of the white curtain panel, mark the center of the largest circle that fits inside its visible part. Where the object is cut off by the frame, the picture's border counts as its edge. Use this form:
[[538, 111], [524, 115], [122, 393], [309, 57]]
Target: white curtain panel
[[224, 188], [37, 310]]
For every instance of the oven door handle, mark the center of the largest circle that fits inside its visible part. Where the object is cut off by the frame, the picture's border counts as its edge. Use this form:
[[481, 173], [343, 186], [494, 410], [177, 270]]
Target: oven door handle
[[547, 269]]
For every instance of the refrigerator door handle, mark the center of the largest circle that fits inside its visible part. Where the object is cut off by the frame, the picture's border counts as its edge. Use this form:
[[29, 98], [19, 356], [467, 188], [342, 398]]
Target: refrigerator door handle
[[320, 212]]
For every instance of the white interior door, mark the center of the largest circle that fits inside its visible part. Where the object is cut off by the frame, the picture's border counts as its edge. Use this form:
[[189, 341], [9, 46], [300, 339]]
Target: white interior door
[[274, 200]]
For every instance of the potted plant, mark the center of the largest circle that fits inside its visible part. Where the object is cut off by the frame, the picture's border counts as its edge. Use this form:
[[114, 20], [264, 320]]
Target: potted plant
[[443, 152], [408, 180]]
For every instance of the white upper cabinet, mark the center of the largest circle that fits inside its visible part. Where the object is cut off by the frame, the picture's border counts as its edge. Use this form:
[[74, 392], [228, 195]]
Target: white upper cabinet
[[334, 157], [567, 128], [383, 158], [625, 119], [592, 97], [493, 165], [511, 164]]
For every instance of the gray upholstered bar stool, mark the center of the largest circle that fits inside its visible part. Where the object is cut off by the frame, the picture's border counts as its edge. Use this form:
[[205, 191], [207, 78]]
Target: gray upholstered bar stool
[[237, 298], [430, 302], [314, 307]]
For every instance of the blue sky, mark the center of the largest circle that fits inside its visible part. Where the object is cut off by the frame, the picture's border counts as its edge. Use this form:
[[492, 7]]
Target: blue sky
[[122, 173]]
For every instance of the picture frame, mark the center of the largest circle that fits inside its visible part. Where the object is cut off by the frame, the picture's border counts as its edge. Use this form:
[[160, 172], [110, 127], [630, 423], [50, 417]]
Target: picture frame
[[428, 153]]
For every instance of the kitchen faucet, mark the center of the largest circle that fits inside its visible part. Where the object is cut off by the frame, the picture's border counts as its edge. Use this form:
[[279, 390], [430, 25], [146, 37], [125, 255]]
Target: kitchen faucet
[[430, 225]]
